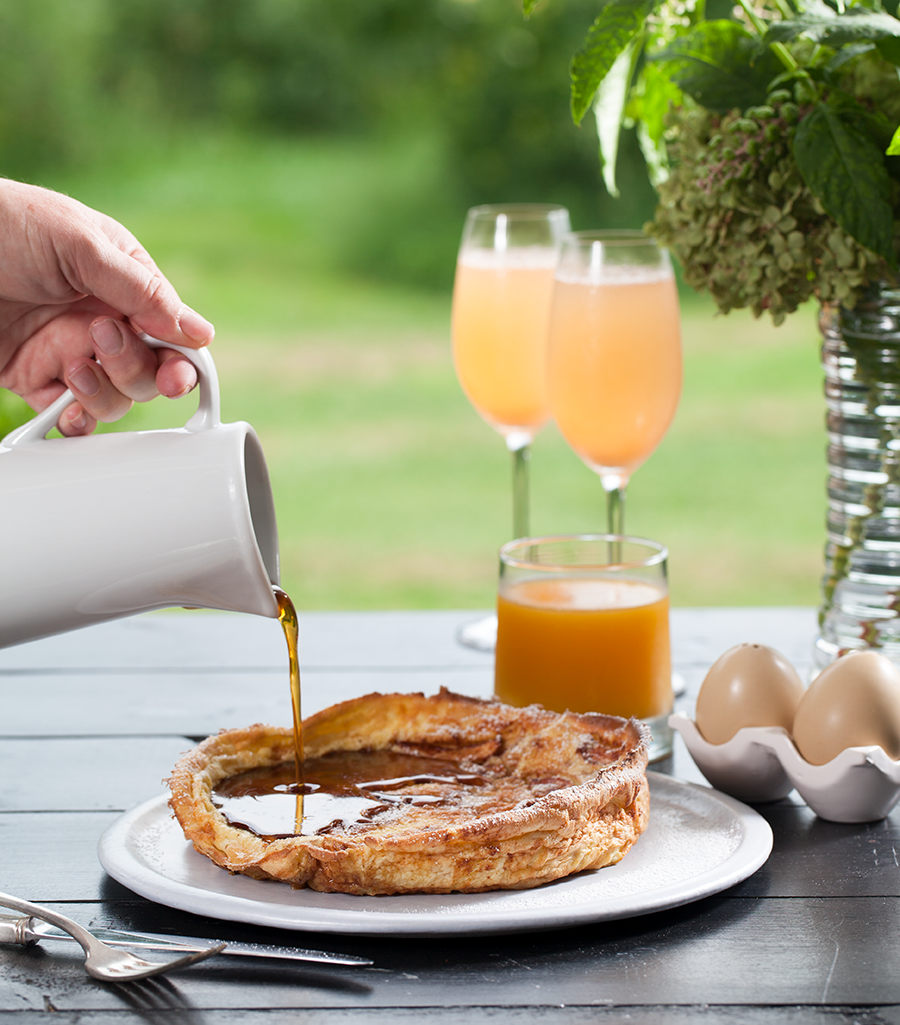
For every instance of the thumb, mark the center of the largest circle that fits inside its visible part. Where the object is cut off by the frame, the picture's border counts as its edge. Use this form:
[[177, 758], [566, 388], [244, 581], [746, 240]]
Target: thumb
[[132, 284]]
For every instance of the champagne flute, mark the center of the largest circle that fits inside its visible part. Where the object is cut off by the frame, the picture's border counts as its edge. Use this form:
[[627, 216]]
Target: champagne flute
[[501, 307], [614, 369]]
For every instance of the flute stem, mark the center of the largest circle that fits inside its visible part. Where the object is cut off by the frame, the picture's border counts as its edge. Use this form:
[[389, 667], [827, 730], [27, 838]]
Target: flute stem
[[614, 486], [520, 447]]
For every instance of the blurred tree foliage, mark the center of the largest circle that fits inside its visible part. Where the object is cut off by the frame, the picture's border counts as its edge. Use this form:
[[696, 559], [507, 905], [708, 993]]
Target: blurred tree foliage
[[87, 81]]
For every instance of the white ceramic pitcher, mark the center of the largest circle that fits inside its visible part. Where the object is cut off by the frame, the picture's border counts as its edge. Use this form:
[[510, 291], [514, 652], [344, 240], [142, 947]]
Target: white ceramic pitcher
[[110, 525]]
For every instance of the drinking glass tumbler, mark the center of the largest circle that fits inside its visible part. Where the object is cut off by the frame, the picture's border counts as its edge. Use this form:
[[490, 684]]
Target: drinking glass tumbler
[[583, 625]]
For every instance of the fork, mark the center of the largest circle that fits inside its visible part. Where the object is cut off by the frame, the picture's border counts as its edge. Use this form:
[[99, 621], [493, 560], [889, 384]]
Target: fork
[[102, 961]]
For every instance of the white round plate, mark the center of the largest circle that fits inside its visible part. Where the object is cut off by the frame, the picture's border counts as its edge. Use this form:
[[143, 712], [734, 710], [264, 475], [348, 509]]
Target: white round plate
[[699, 842]]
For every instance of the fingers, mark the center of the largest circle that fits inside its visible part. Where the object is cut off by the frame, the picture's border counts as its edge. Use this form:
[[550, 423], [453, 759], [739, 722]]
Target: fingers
[[98, 396], [74, 422], [130, 366], [116, 269], [66, 251], [125, 371], [135, 370], [176, 375], [71, 265]]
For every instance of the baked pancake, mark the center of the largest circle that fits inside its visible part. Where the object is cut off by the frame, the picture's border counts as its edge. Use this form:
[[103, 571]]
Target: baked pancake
[[427, 795]]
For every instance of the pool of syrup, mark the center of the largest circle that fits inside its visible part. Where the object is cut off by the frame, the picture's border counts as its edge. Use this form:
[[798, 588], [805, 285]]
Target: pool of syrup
[[331, 793], [338, 791]]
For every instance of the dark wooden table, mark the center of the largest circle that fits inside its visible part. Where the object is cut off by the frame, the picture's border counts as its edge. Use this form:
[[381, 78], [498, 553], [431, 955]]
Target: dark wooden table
[[93, 721]]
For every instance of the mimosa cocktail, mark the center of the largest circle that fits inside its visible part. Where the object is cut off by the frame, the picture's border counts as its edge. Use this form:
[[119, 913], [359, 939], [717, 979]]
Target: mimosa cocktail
[[616, 361], [501, 311], [615, 354]]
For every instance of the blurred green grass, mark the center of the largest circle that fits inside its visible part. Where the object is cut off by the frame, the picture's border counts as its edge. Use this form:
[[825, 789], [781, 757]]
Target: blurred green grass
[[390, 491]]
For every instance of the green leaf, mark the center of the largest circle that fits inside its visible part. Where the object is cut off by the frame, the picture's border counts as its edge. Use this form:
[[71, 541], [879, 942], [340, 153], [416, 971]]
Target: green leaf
[[889, 48], [654, 94], [879, 128], [618, 22], [843, 167], [855, 25], [894, 149], [609, 110], [720, 64], [528, 6], [651, 98], [847, 54]]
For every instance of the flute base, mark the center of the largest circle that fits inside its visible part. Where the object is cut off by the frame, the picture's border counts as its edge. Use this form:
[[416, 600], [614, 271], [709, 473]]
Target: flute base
[[480, 634]]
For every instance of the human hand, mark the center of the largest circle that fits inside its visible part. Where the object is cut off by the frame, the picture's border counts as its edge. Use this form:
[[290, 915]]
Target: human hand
[[76, 288]]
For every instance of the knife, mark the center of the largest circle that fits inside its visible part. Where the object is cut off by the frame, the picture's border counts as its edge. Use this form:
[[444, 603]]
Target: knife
[[27, 931]]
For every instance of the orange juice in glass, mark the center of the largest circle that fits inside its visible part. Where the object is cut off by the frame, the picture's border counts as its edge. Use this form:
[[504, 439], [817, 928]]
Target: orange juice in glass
[[614, 354], [583, 625]]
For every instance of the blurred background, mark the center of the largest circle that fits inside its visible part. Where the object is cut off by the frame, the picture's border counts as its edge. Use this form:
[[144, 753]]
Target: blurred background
[[301, 169]]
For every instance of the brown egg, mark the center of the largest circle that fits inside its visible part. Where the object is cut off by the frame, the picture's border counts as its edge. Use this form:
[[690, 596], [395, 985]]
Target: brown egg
[[854, 702], [750, 685]]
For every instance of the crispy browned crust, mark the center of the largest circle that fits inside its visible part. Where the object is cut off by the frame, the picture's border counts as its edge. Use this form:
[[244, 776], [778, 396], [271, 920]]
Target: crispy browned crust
[[565, 793]]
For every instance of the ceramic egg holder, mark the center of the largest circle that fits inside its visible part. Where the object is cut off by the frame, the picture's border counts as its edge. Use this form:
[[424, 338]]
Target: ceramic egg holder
[[759, 733], [762, 763]]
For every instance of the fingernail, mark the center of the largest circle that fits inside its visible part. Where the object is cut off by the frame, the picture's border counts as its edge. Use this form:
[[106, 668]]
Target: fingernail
[[195, 327], [79, 421], [179, 394], [83, 379], [107, 337]]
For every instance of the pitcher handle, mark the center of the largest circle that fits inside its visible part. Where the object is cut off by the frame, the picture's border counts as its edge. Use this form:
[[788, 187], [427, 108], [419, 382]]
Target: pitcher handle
[[208, 413]]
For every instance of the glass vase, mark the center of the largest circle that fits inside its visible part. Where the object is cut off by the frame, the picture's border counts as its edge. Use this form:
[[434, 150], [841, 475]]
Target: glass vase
[[860, 599]]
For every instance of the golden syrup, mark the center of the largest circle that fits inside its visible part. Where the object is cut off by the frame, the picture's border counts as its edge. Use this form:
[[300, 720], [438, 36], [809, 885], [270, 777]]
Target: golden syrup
[[287, 616], [341, 790], [335, 791]]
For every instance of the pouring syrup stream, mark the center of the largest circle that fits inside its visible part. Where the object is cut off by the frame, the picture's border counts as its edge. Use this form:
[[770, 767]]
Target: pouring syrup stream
[[287, 616], [346, 789]]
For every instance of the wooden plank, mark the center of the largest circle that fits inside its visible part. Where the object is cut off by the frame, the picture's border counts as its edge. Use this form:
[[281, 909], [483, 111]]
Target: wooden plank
[[52, 856], [815, 858], [84, 773], [160, 1005], [716, 952], [204, 639], [140, 1006], [699, 636], [200, 703], [811, 857]]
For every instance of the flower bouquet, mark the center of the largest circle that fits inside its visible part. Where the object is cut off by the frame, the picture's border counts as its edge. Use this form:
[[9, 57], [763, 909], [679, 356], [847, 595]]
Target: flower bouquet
[[773, 138]]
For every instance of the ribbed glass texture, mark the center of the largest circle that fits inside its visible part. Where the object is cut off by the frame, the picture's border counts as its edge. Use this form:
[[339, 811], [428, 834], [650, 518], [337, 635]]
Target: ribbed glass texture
[[860, 606]]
